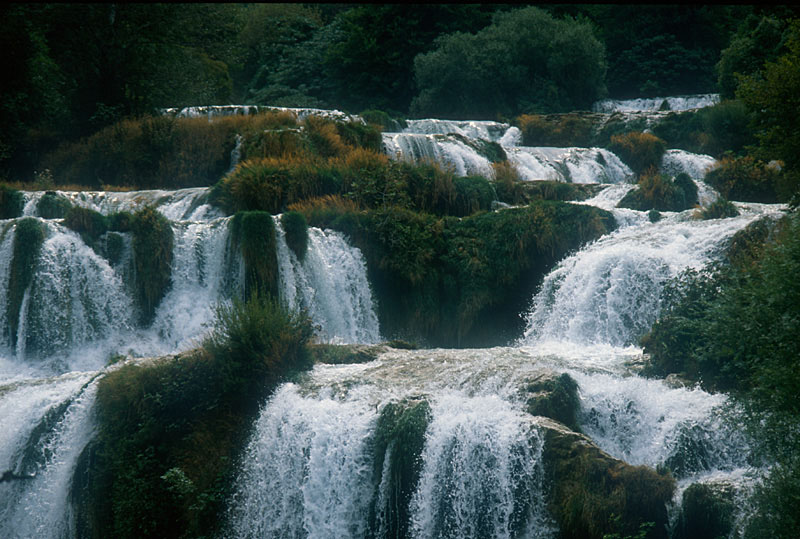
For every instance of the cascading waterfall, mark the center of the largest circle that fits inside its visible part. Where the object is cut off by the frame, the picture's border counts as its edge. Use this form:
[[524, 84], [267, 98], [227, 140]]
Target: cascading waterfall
[[331, 285], [324, 459]]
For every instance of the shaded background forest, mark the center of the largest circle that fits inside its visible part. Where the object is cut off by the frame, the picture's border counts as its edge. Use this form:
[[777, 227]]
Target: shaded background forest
[[74, 69]]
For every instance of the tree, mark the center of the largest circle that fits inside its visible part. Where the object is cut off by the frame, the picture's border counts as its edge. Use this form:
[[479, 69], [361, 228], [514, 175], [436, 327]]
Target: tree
[[525, 61]]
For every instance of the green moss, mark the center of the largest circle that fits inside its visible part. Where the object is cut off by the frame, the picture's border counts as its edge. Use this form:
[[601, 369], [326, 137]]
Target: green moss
[[719, 209], [171, 430], [660, 192], [383, 120], [11, 202], [334, 354], [29, 235], [706, 511], [253, 233], [53, 206], [555, 397], [152, 256], [400, 437], [296, 229], [549, 190], [654, 216], [593, 495], [461, 282], [114, 247], [88, 223]]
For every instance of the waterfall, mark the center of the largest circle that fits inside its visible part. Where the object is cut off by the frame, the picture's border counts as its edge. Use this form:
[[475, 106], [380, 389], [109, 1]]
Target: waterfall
[[445, 150], [47, 423], [610, 291], [572, 165], [330, 284], [678, 103]]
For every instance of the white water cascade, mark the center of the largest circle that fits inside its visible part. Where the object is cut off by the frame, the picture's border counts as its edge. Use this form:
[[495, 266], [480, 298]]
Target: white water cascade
[[331, 285]]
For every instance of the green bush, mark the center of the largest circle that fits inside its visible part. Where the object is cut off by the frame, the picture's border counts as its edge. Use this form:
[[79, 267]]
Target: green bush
[[53, 206], [11, 202], [383, 120], [745, 179], [459, 282], [253, 233], [88, 223], [296, 229], [473, 194], [170, 430], [29, 235], [255, 343], [659, 192], [719, 209], [152, 255], [560, 130], [640, 151]]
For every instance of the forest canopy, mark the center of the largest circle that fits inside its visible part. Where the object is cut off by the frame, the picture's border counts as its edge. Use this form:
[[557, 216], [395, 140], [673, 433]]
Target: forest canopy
[[72, 69]]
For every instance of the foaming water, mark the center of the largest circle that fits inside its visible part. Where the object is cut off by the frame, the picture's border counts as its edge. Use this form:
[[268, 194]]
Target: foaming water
[[445, 149], [572, 165], [331, 285], [610, 291]]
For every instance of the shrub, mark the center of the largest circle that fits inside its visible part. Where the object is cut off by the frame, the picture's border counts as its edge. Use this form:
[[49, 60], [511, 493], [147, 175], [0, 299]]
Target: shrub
[[383, 120], [745, 179], [11, 202], [255, 343], [253, 233], [53, 206], [29, 235], [88, 223], [170, 430], [152, 256], [473, 194], [719, 209], [296, 229], [640, 151], [656, 191], [561, 130], [507, 183]]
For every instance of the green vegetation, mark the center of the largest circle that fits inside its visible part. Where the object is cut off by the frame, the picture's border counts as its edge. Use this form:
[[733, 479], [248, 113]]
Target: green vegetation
[[458, 282], [170, 429], [11, 202], [733, 328], [746, 179], [562, 130], [29, 235], [555, 397], [400, 437], [594, 495], [640, 151], [525, 61], [53, 206], [296, 229], [659, 192], [719, 209], [706, 511], [253, 233], [152, 259]]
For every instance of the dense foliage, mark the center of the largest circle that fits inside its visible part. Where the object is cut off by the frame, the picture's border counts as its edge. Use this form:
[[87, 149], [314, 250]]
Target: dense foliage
[[169, 429], [734, 328], [458, 282]]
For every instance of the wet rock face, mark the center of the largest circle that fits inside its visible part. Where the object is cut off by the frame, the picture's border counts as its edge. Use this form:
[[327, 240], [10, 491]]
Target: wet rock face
[[707, 511], [593, 494], [554, 396]]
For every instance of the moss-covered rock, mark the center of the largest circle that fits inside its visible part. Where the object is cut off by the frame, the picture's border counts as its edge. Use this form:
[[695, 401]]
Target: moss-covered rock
[[253, 234], [336, 354], [11, 202], [719, 209], [640, 151], [53, 206], [554, 396], [460, 282], [152, 257], [400, 438], [707, 510], [29, 234], [296, 229], [593, 494], [659, 192]]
